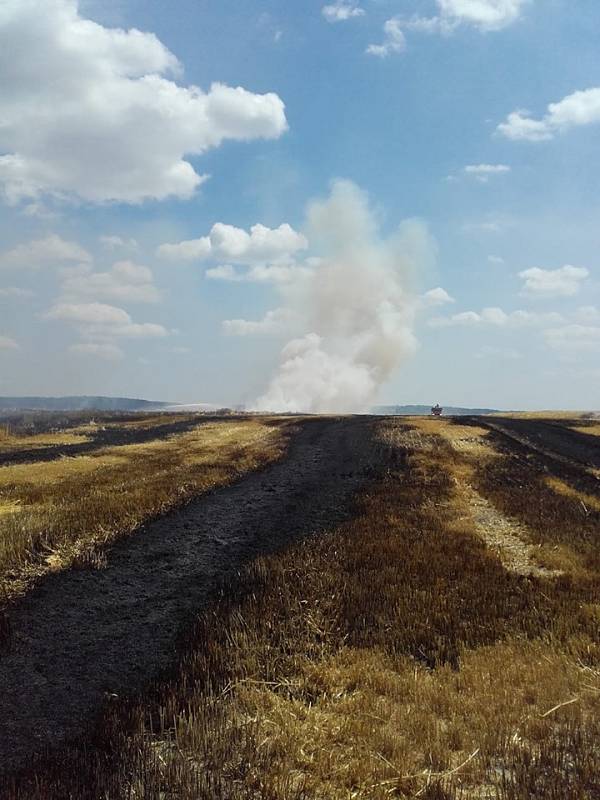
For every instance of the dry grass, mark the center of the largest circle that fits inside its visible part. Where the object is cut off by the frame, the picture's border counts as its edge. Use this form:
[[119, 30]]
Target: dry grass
[[60, 513], [588, 502], [509, 539], [560, 522], [559, 415], [591, 429], [393, 657], [10, 443]]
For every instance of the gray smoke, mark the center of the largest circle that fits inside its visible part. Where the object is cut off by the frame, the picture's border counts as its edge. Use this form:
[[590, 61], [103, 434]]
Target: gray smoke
[[356, 309]]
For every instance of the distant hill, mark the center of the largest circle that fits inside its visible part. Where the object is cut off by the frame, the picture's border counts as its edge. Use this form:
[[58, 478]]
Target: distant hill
[[78, 403], [420, 410]]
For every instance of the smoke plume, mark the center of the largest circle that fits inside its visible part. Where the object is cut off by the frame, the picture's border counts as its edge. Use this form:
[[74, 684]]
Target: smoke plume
[[355, 309]]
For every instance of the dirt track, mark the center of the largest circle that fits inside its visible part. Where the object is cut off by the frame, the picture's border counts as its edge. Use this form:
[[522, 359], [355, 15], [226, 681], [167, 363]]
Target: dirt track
[[84, 633]]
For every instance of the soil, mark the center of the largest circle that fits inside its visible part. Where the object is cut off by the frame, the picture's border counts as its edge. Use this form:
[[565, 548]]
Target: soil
[[83, 634]]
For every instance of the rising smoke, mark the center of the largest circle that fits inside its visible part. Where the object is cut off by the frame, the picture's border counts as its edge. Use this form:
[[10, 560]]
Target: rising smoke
[[356, 309]]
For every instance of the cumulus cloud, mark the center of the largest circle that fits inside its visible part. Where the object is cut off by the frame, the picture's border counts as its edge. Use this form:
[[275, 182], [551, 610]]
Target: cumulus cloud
[[496, 317], [99, 321], [484, 15], [575, 110], [487, 15], [563, 282], [394, 40], [125, 281], [47, 252], [483, 172], [436, 297], [117, 243], [273, 322], [6, 343], [237, 246], [95, 112], [341, 11], [188, 250], [92, 313], [261, 273]]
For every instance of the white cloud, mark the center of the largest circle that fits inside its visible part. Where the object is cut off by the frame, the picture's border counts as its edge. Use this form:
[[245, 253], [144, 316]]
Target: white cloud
[[394, 40], [6, 343], [484, 15], [278, 273], [190, 250], [574, 338], [50, 251], [496, 260], [15, 291], [273, 322], [140, 330], [90, 313], [483, 172], [563, 282], [117, 242], [487, 15], [225, 272], [577, 109], [125, 281], [260, 245], [237, 246], [436, 297], [260, 273], [340, 11], [497, 317], [93, 112], [108, 352], [99, 321]]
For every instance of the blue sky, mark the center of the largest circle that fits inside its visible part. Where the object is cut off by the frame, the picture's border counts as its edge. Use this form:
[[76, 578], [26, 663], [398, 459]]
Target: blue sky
[[474, 124]]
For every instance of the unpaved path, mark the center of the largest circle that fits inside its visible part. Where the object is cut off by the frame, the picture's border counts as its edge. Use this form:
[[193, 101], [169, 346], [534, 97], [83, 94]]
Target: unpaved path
[[84, 633]]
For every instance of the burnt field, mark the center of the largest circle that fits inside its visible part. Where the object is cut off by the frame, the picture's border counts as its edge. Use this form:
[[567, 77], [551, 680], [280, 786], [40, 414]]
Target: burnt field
[[50, 436], [331, 608], [564, 440]]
